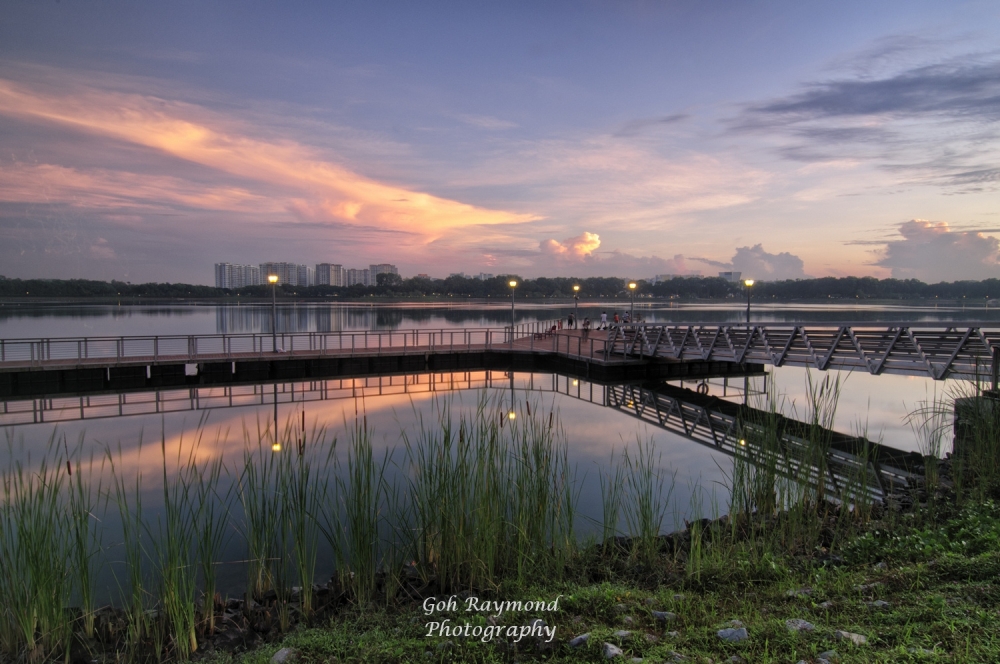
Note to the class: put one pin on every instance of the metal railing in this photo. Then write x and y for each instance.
(937, 350)
(111, 351)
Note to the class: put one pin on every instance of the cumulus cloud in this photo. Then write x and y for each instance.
(756, 263)
(578, 247)
(932, 252)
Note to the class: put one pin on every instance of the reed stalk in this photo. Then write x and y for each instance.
(646, 505)
(174, 544)
(34, 547)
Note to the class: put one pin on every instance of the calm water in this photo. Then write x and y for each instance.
(394, 406)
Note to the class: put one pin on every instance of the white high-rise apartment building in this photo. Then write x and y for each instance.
(354, 277)
(290, 274)
(230, 275)
(381, 268)
(329, 274)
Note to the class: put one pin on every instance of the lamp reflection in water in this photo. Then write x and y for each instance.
(275, 441)
(511, 414)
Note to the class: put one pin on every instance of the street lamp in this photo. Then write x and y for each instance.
(273, 280)
(576, 305)
(748, 283)
(513, 284)
(631, 311)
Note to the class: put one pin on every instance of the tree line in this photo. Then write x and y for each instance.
(543, 287)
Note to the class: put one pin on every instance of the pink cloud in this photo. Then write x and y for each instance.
(575, 248)
(327, 191)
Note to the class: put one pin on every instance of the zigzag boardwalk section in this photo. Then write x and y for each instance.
(936, 350)
(851, 465)
(96, 365)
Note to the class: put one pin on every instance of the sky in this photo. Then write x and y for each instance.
(148, 141)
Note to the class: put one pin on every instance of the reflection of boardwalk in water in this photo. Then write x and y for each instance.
(707, 420)
(735, 430)
(151, 402)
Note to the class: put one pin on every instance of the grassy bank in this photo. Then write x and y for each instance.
(484, 506)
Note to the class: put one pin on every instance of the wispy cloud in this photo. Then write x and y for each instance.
(931, 123)
(315, 187)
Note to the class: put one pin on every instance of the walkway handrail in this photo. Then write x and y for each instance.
(114, 350)
(938, 350)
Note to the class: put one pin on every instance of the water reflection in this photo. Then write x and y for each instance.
(20, 321)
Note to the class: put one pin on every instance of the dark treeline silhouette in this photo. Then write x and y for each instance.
(543, 287)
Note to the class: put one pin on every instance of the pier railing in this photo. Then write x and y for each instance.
(937, 350)
(111, 351)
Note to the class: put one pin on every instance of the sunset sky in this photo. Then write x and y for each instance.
(146, 141)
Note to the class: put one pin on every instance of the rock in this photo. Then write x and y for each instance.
(284, 655)
(649, 601)
(678, 597)
(827, 657)
(671, 635)
(445, 646)
(636, 659)
(733, 634)
(879, 604)
(826, 606)
(676, 656)
(579, 641)
(881, 566)
(620, 608)
(651, 638)
(856, 639)
(923, 652)
(799, 625)
(611, 651)
(664, 616)
(628, 620)
(736, 623)
(800, 592)
(736, 659)
(622, 634)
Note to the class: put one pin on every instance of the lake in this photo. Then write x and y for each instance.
(394, 407)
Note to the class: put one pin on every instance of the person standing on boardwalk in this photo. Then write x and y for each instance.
(604, 320)
(616, 318)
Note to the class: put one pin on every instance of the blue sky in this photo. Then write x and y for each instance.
(145, 141)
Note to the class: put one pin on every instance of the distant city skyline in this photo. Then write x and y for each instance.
(142, 142)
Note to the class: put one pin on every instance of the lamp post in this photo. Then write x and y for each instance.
(631, 311)
(273, 280)
(576, 305)
(748, 283)
(513, 284)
